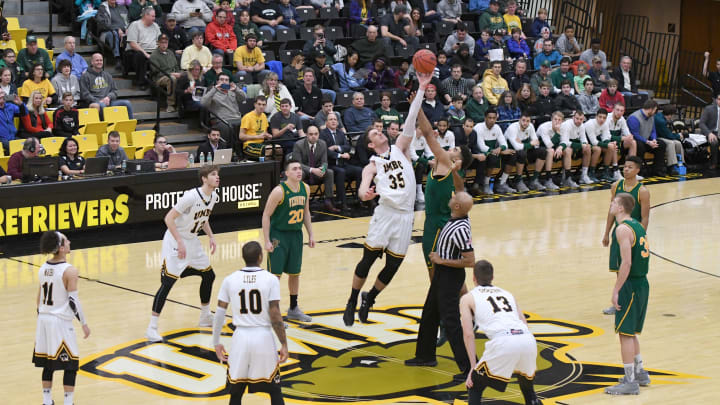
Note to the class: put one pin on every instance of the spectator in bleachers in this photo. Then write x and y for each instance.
(442, 69)
(381, 8)
(369, 48)
(326, 111)
(594, 52)
(308, 96)
(468, 63)
(244, 26)
(360, 12)
(35, 122)
(483, 45)
(561, 74)
(179, 39)
(224, 100)
(66, 121)
(229, 7)
(641, 124)
(567, 44)
(672, 141)
(142, 36)
(395, 31)
(599, 74)
(347, 72)
(492, 19)
(625, 76)
(113, 151)
(579, 79)
(191, 80)
(525, 97)
(587, 100)
(38, 81)
(324, 76)
(28, 57)
(319, 43)
(493, 84)
(254, 132)
(517, 47)
(112, 26)
(433, 108)
(31, 149)
(65, 82)
(548, 54)
(710, 127)
(311, 152)
(539, 23)
(338, 4)
(4, 34)
(386, 112)
(8, 111)
(9, 61)
(210, 77)
(455, 112)
(611, 96)
(416, 24)
(403, 77)
(197, 51)
(275, 93)
(713, 77)
(97, 87)
(518, 77)
(478, 6)
(566, 101)
(450, 10)
(428, 10)
(70, 161)
(538, 46)
(78, 64)
(188, 16)
(458, 37)
(160, 153)
(220, 35)
(339, 158)
(544, 104)
(511, 19)
(136, 8)
(498, 42)
(475, 108)
(358, 117)
(267, 16)
(380, 76)
(249, 61)
(293, 72)
(7, 85)
(456, 85)
(290, 15)
(507, 109)
(164, 70)
(543, 74)
(287, 125)
(213, 143)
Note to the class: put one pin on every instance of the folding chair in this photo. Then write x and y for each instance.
(119, 120)
(16, 145)
(86, 144)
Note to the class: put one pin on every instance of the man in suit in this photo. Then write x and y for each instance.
(710, 127)
(213, 143)
(626, 77)
(312, 153)
(339, 157)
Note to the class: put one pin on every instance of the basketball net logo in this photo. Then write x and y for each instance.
(331, 363)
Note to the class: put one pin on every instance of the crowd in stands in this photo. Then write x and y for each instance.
(516, 92)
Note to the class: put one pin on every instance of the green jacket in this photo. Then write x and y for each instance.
(163, 62)
(662, 130)
(491, 22)
(210, 77)
(475, 110)
(242, 30)
(557, 78)
(26, 61)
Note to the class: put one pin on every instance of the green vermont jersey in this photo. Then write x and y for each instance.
(438, 192)
(289, 214)
(640, 250)
(636, 213)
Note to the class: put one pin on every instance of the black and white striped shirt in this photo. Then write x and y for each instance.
(455, 238)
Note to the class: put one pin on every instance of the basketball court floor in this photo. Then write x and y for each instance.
(547, 251)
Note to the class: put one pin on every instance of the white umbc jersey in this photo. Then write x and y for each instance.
(195, 209)
(53, 295)
(395, 180)
(249, 292)
(496, 312)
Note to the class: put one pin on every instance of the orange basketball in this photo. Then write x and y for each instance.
(424, 61)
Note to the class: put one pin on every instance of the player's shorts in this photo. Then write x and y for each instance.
(254, 150)
(55, 344)
(431, 232)
(195, 256)
(614, 253)
(287, 255)
(633, 300)
(253, 357)
(617, 139)
(505, 355)
(531, 155)
(391, 230)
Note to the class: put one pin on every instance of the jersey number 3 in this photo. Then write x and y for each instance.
(506, 305)
(397, 181)
(254, 301)
(645, 253)
(296, 216)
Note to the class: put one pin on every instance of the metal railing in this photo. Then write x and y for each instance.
(578, 16)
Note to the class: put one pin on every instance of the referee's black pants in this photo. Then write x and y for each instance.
(443, 304)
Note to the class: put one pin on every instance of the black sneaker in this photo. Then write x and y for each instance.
(416, 362)
(349, 314)
(365, 306)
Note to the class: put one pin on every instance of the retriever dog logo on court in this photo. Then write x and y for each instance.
(330, 363)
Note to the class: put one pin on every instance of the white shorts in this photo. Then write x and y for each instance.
(55, 343)
(253, 356)
(507, 354)
(391, 230)
(195, 256)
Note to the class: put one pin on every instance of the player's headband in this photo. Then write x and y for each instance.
(60, 240)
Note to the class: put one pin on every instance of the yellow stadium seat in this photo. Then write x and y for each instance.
(119, 119)
(143, 138)
(90, 123)
(89, 153)
(18, 35)
(86, 115)
(13, 23)
(52, 145)
(4, 162)
(16, 145)
(8, 44)
(140, 153)
(2, 152)
(129, 150)
(86, 143)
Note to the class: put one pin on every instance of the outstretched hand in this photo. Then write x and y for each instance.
(424, 79)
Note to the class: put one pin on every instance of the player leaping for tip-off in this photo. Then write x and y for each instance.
(392, 222)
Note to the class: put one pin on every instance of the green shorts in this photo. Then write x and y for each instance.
(633, 300)
(617, 139)
(614, 253)
(576, 149)
(430, 235)
(253, 150)
(604, 144)
(287, 255)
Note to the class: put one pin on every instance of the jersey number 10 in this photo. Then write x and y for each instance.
(253, 298)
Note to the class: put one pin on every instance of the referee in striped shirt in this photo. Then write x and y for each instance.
(453, 253)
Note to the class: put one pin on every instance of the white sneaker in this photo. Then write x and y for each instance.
(550, 185)
(298, 315)
(152, 335)
(617, 175)
(585, 179)
(206, 321)
(420, 197)
(521, 187)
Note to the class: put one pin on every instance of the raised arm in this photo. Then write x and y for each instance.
(403, 142)
(441, 155)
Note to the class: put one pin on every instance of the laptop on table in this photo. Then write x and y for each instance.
(178, 160)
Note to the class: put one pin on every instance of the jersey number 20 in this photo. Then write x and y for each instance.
(296, 216)
(253, 298)
(397, 181)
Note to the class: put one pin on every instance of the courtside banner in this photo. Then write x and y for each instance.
(112, 201)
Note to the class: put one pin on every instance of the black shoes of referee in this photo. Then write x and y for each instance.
(349, 314)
